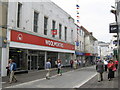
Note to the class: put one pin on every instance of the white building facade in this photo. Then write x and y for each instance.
(37, 32)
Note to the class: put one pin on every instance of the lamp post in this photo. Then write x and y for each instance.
(116, 20)
(118, 35)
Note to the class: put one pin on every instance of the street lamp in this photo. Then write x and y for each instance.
(115, 13)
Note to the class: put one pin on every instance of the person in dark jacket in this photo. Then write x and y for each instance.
(59, 69)
(100, 70)
(71, 63)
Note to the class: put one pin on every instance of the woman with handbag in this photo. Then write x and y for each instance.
(111, 68)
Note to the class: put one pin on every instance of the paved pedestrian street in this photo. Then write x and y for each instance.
(69, 79)
(80, 78)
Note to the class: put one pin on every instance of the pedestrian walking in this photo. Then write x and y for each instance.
(100, 70)
(105, 64)
(111, 68)
(71, 63)
(12, 69)
(48, 67)
(59, 71)
(75, 64)
(80, 62)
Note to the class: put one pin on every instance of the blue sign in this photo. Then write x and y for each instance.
(79, 53)
(77, 43)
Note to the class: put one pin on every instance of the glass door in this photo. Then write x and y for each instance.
(33, 62)
(41, 62)
(29, 62)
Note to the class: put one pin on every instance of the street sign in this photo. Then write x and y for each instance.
(113, 28)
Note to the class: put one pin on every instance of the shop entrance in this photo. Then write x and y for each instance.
(41, 62)
(33, 62)
(53, 56)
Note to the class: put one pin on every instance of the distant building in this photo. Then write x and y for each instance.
(90, 46)
(79, 43)
(103, 50)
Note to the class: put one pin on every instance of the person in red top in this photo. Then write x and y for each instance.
(116, 64)
(111, 67)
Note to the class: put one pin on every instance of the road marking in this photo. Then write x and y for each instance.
(79, 85)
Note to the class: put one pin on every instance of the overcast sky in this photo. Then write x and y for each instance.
(94, 15)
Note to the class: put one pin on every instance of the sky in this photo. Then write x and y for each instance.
(94, 15)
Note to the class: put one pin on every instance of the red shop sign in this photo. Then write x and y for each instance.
(88, 54)
(21, 37)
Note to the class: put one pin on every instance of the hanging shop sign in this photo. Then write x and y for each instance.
(54, 31)
(113, 28)
(88, 54)
(21, 37)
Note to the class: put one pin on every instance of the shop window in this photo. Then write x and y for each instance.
(45, 25)
(35, 21)
(19, 14)
(65, 33)
(71, 35)
(65, 57)
(60, 30)
(53, 26)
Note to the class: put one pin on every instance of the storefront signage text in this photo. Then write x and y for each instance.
(52, 43)
(26, 38)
